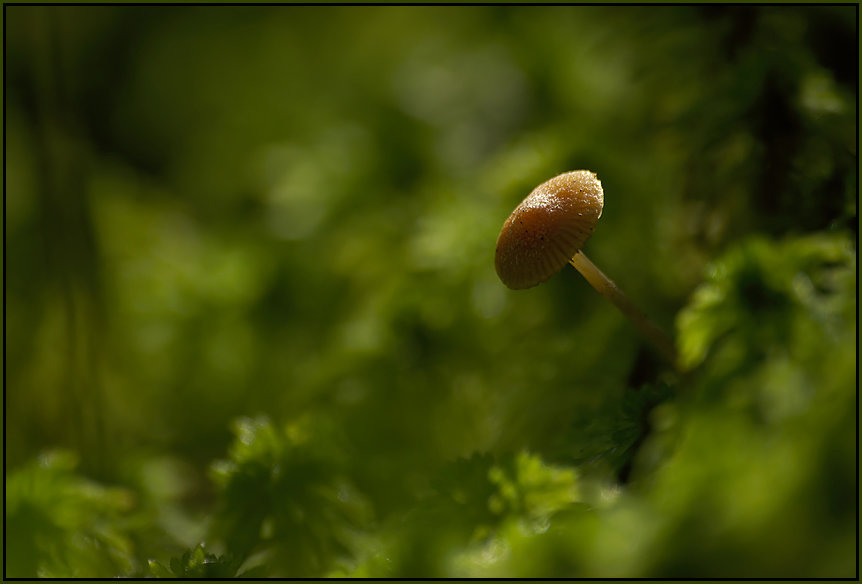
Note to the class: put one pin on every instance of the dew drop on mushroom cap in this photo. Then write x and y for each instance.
(548, 228)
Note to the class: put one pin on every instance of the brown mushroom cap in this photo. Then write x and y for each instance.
(548, 228)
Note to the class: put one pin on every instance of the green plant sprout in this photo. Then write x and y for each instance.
(547, 231)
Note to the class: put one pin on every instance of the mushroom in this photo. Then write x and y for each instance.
(547, 231)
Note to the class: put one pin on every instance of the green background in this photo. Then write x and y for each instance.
(253, 324)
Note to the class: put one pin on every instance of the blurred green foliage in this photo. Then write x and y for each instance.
(253, 325)
(63, 525)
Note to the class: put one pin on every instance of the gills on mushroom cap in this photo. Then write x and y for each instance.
(548, 228)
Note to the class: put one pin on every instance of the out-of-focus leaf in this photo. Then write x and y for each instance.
(282, 494)
(762, 294)
(64, 524)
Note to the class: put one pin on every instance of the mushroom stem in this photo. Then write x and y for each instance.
(609, 290)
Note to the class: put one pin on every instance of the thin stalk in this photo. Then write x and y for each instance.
(605, 286)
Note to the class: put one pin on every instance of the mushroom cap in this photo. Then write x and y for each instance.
(548, 228)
